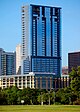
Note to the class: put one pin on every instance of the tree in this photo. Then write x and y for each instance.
(75, 81)
(64, 96)
(3, 100)
(11, 95)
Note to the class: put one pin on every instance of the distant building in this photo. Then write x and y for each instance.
(29, 80)
(18, 59)
(65, 70)
(7, 62)
(73, 60)
(41, 39)
(1, 51)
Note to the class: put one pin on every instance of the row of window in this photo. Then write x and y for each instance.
(45, 65)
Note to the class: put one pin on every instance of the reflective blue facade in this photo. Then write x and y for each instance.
(45, 64)
(44, 39)
(10, 63)
(7, 62)
(26, 68)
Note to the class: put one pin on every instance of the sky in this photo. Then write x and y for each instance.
(10, 24)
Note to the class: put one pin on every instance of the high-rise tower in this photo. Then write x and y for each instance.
(18, 59)
(41, 39)
(7, 63)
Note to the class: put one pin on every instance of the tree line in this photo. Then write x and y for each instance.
(27, 96)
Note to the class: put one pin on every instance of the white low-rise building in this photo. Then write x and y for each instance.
(21, 81)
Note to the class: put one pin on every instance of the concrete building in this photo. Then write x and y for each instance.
(18, 59)
(21, 81)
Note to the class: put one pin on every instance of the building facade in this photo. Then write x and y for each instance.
(41, 40)
(73, 60)
(21, 81)
(29, 80)
(7, 62)
(18, 59)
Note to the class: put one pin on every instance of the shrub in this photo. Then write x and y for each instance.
(77, 102)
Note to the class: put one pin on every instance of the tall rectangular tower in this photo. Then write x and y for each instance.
(18, 59)
(41, 39)
(7, 62)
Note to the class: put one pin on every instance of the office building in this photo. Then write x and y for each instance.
(7, 62)
(41, 39)
(18, 59)
(73, 60)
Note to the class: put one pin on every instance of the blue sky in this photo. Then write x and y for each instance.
(10, 24)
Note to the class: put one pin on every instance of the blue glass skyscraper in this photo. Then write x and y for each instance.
(41, 39)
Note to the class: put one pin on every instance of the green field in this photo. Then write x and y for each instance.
(45, 108)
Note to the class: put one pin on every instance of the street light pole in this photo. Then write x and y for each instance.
(41, 99)
(49, 97)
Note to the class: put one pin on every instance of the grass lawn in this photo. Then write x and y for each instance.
(38, 108)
